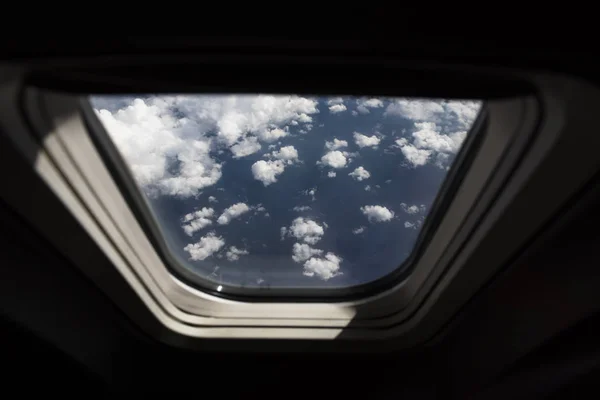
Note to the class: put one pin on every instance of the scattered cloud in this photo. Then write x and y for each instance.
(360, 174)
(377, 213)
(168, 141)
(412, 209)
(366, 141)
(337, 108)
(359, 230)
(212, 199)
(335, 100)
(302, 208)
(331, 174)
(233, 253)
(334, 159)
(324, 268)
(206, 247)
(288, 154)
(363, 105)
(368, 188)
(305, 230)
(197, 220)
(267, 171)
(245, 147)
(336, 144)
(302, 252)
(232, 212)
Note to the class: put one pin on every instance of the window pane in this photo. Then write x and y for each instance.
(288, 191)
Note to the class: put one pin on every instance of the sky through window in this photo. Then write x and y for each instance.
(288, 191)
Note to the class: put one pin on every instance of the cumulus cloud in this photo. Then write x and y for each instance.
(302, 252)
(206, 247)
(430, 145)
(359, 230)
(272, 135)
(363, 105)
(440, 128)
(366, 141)
(422, 110)
(368, 188)
(334, 159)
(232, 212)
(212, 199)
(233, 253)
(197, 220)
(412, 209)
(267, 171)
(415, 156)
(288, 154)
(305, 230)
(336, 144)
(377, 213)
(460, 114)
(301, 208)
(324, 268)
(331, 174)
(337, 108)
(360, 174)
(245, 147)
(168, 141)
(335, 100)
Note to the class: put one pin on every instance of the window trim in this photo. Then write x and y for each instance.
(431, 307)
(138, 203)
(380, 307)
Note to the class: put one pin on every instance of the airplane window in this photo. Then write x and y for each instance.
(263, 191)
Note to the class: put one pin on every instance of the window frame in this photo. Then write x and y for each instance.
(49, 132)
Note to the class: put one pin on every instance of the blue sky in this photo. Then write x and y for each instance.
(288, 191)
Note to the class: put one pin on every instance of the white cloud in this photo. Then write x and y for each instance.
(360, 174)
(232, 212)
(336, 144)
(416, 157)
(272, 135)
(151, 139)
(410, 225)
(440, 128)
(335, 100)
(245, 147)
(302, 252)
(337, 108)
(421, 110)
(233, 254)
(363, 105)
(331, 174)
(305, 229)
(334, 159)
(197, 220)
(368, 188)
(324, 268)
(377, 213)
(366, 141)
(168, 140)
(288, 154)
(413, 209)
(359, 230)
(267, 171)
(428, 137)
(207, 246)
(212, 199)
(302, 208)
